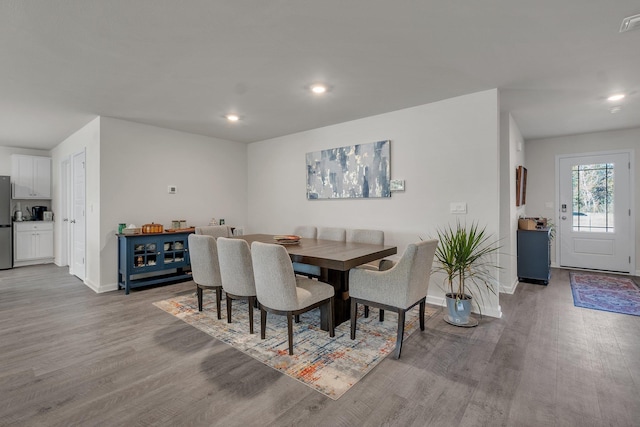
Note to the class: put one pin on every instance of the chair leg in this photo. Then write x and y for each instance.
(400, 333)
(297, 318)
(422, 307)
(218, 300)
(381, 315)
(263, 322)
(290, 332)
(199, 293)
(228, 308)
(332, 331)
(366, 311)
(354, 315)
(250, 304)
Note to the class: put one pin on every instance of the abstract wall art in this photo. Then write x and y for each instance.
(355, 171)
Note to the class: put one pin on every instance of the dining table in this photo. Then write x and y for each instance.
(335, 258)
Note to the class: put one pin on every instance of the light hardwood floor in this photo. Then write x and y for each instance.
(71, 357)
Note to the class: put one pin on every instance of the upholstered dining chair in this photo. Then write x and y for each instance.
(214, 231)
(332, 233)
(280, 292)
(236, 272)
(398, 289)
(310, 271)
(372, 237)
(205, 268)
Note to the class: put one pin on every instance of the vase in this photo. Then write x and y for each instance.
(459, 309)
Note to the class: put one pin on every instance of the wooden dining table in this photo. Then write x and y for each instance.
(335, 258)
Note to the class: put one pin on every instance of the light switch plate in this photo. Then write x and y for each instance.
(172, 189)
(458, 207)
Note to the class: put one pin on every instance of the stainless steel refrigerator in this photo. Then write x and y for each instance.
(6, 231)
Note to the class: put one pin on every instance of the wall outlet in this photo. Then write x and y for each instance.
(172, 189)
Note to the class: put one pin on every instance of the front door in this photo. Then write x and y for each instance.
(595, 222)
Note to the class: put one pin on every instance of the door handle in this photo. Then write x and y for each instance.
(564, 217)
(73, 221)
(65, 219)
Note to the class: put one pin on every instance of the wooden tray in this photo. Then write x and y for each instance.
(180, 230)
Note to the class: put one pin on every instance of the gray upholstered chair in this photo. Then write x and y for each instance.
(281, 292)
(236, 272)
(214, 230)
(398, 289)
(310, 271)
(205, 267)
(309, 232)
(372, 237)
(332, 233)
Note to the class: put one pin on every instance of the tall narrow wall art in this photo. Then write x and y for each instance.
(355, 171)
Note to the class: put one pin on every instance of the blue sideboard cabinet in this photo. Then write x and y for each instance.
(149, 259)
(534, 256)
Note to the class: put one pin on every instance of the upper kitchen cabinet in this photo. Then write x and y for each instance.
(31, 177)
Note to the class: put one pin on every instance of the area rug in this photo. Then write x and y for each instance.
(328, 365)
(617, 294)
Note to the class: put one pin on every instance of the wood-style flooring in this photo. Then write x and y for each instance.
(70, 357)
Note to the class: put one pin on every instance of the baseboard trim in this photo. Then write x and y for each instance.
(509, 289)
(99, 289)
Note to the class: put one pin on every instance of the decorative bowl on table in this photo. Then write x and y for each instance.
(287, 239)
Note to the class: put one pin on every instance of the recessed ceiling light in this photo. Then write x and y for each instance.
(616, 97)
(630, 23)
(318, 89)
(232, 117)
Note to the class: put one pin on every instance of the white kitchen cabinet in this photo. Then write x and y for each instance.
(33, 243)
(31, 177)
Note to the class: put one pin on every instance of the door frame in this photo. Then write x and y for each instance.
(63, 214)
(632, 204)
(73, 221)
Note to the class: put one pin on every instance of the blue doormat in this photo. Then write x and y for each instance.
(617, 294)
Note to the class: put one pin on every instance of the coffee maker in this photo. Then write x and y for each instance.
(37, 212)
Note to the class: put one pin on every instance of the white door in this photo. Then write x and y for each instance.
(595, 222)
(63, 214)
(77, 220)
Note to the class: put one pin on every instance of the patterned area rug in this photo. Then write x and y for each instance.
(618, 294)
(328, 365)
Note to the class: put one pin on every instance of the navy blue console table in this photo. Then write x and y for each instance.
(152, 258)
(534, 256)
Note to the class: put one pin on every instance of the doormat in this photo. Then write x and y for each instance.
(328, 365)
(617, 294)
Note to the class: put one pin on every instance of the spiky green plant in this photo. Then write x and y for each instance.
(464, 256)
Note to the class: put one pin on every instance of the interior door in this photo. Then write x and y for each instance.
(77, 221)
(595, 222)
(63, 214)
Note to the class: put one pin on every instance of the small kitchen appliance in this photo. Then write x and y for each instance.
(37, 212)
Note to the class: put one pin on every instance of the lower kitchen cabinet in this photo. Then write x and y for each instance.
(33, 243)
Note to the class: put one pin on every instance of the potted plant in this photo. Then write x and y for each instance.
(464, 255)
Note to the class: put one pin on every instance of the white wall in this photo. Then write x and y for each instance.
(446, 151)
(541, 156)
(85, 139)
(138, 162)
(511, 156)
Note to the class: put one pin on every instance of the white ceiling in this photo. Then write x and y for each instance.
(184, 64)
